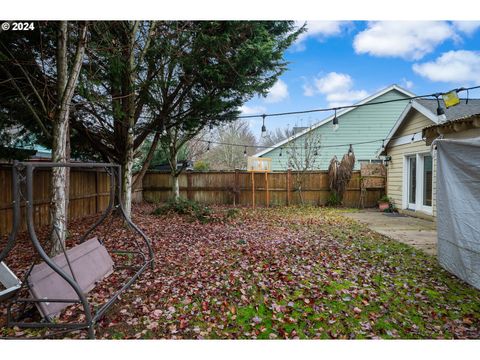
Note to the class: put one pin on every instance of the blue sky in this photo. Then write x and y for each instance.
(339, 63)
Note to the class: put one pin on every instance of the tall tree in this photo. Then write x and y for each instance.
(66, 83)
(42, 74)
(215, 67)
(114, 88)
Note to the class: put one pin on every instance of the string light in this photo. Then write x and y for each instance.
(245, 151)
(335, 121)
(440, 112)
(264, 129)
(412, 139)
(353, 105)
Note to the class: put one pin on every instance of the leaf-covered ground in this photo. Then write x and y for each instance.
(276, 274)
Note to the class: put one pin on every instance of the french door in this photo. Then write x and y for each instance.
(419, 182)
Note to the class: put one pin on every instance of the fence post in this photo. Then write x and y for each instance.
(236, 192)
(97, 200)
(289, 180)
(189, 186)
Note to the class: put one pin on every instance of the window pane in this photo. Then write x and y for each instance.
(412, 163)
(427, 180)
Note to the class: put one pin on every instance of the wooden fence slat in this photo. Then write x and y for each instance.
(89, 190)
(235, 187)
(89, 194)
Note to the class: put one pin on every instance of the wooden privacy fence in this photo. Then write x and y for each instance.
(89, 190)
(235, 187)
(89, 194)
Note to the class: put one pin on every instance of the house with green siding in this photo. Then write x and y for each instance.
(366, 124)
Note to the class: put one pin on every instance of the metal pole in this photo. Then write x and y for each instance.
(129, 221)
(46, 258)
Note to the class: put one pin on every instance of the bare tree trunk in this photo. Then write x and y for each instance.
(175, 187)
(137, 183)
(127, 166)
(59, 147)
(65, 87)
(127, 179)
(173, 167)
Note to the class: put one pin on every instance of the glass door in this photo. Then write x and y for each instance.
(427, 188)
(412, 181)
(419, 182)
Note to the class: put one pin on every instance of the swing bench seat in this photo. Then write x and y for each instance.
(90, 263)
(9, 282)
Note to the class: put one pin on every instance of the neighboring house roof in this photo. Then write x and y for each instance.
(339, 114)
(430, 133)
(428, 107)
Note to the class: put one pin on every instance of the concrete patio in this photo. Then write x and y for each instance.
(419, 233)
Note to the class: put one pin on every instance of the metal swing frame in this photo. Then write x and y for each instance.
(22, 173)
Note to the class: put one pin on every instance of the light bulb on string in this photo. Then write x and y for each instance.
(335, 121)
(264, 128)
(440, 112)
(412, 139)
(281, 149)
(245, 151)
(208, 146)
(383, 145)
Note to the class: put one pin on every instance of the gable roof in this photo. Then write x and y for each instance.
(339, 114)
(428, 107)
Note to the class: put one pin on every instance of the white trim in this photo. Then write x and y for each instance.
(418, 206)
(415, 105)
(407, 139)
(339, 113)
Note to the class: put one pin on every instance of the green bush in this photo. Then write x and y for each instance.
(201, 165)
(195, 211)
(384, 198)
(334, 200)
(187, 207)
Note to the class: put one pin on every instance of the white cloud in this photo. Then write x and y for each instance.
(319, 30)
(459, 67)
(407, 84)
(277, 93)
(252, 110)
(467, 27)
(410, 40)
(308, 90)
(337, 88)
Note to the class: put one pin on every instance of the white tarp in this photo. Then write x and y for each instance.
(458, 207)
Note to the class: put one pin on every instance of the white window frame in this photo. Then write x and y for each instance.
(419, 188)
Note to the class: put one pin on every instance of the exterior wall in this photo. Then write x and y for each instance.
(414, 123)
(362, 124)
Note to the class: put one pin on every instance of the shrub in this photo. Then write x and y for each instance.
(201, 165)
(334, 199)
(384, 198)
(187, 207)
